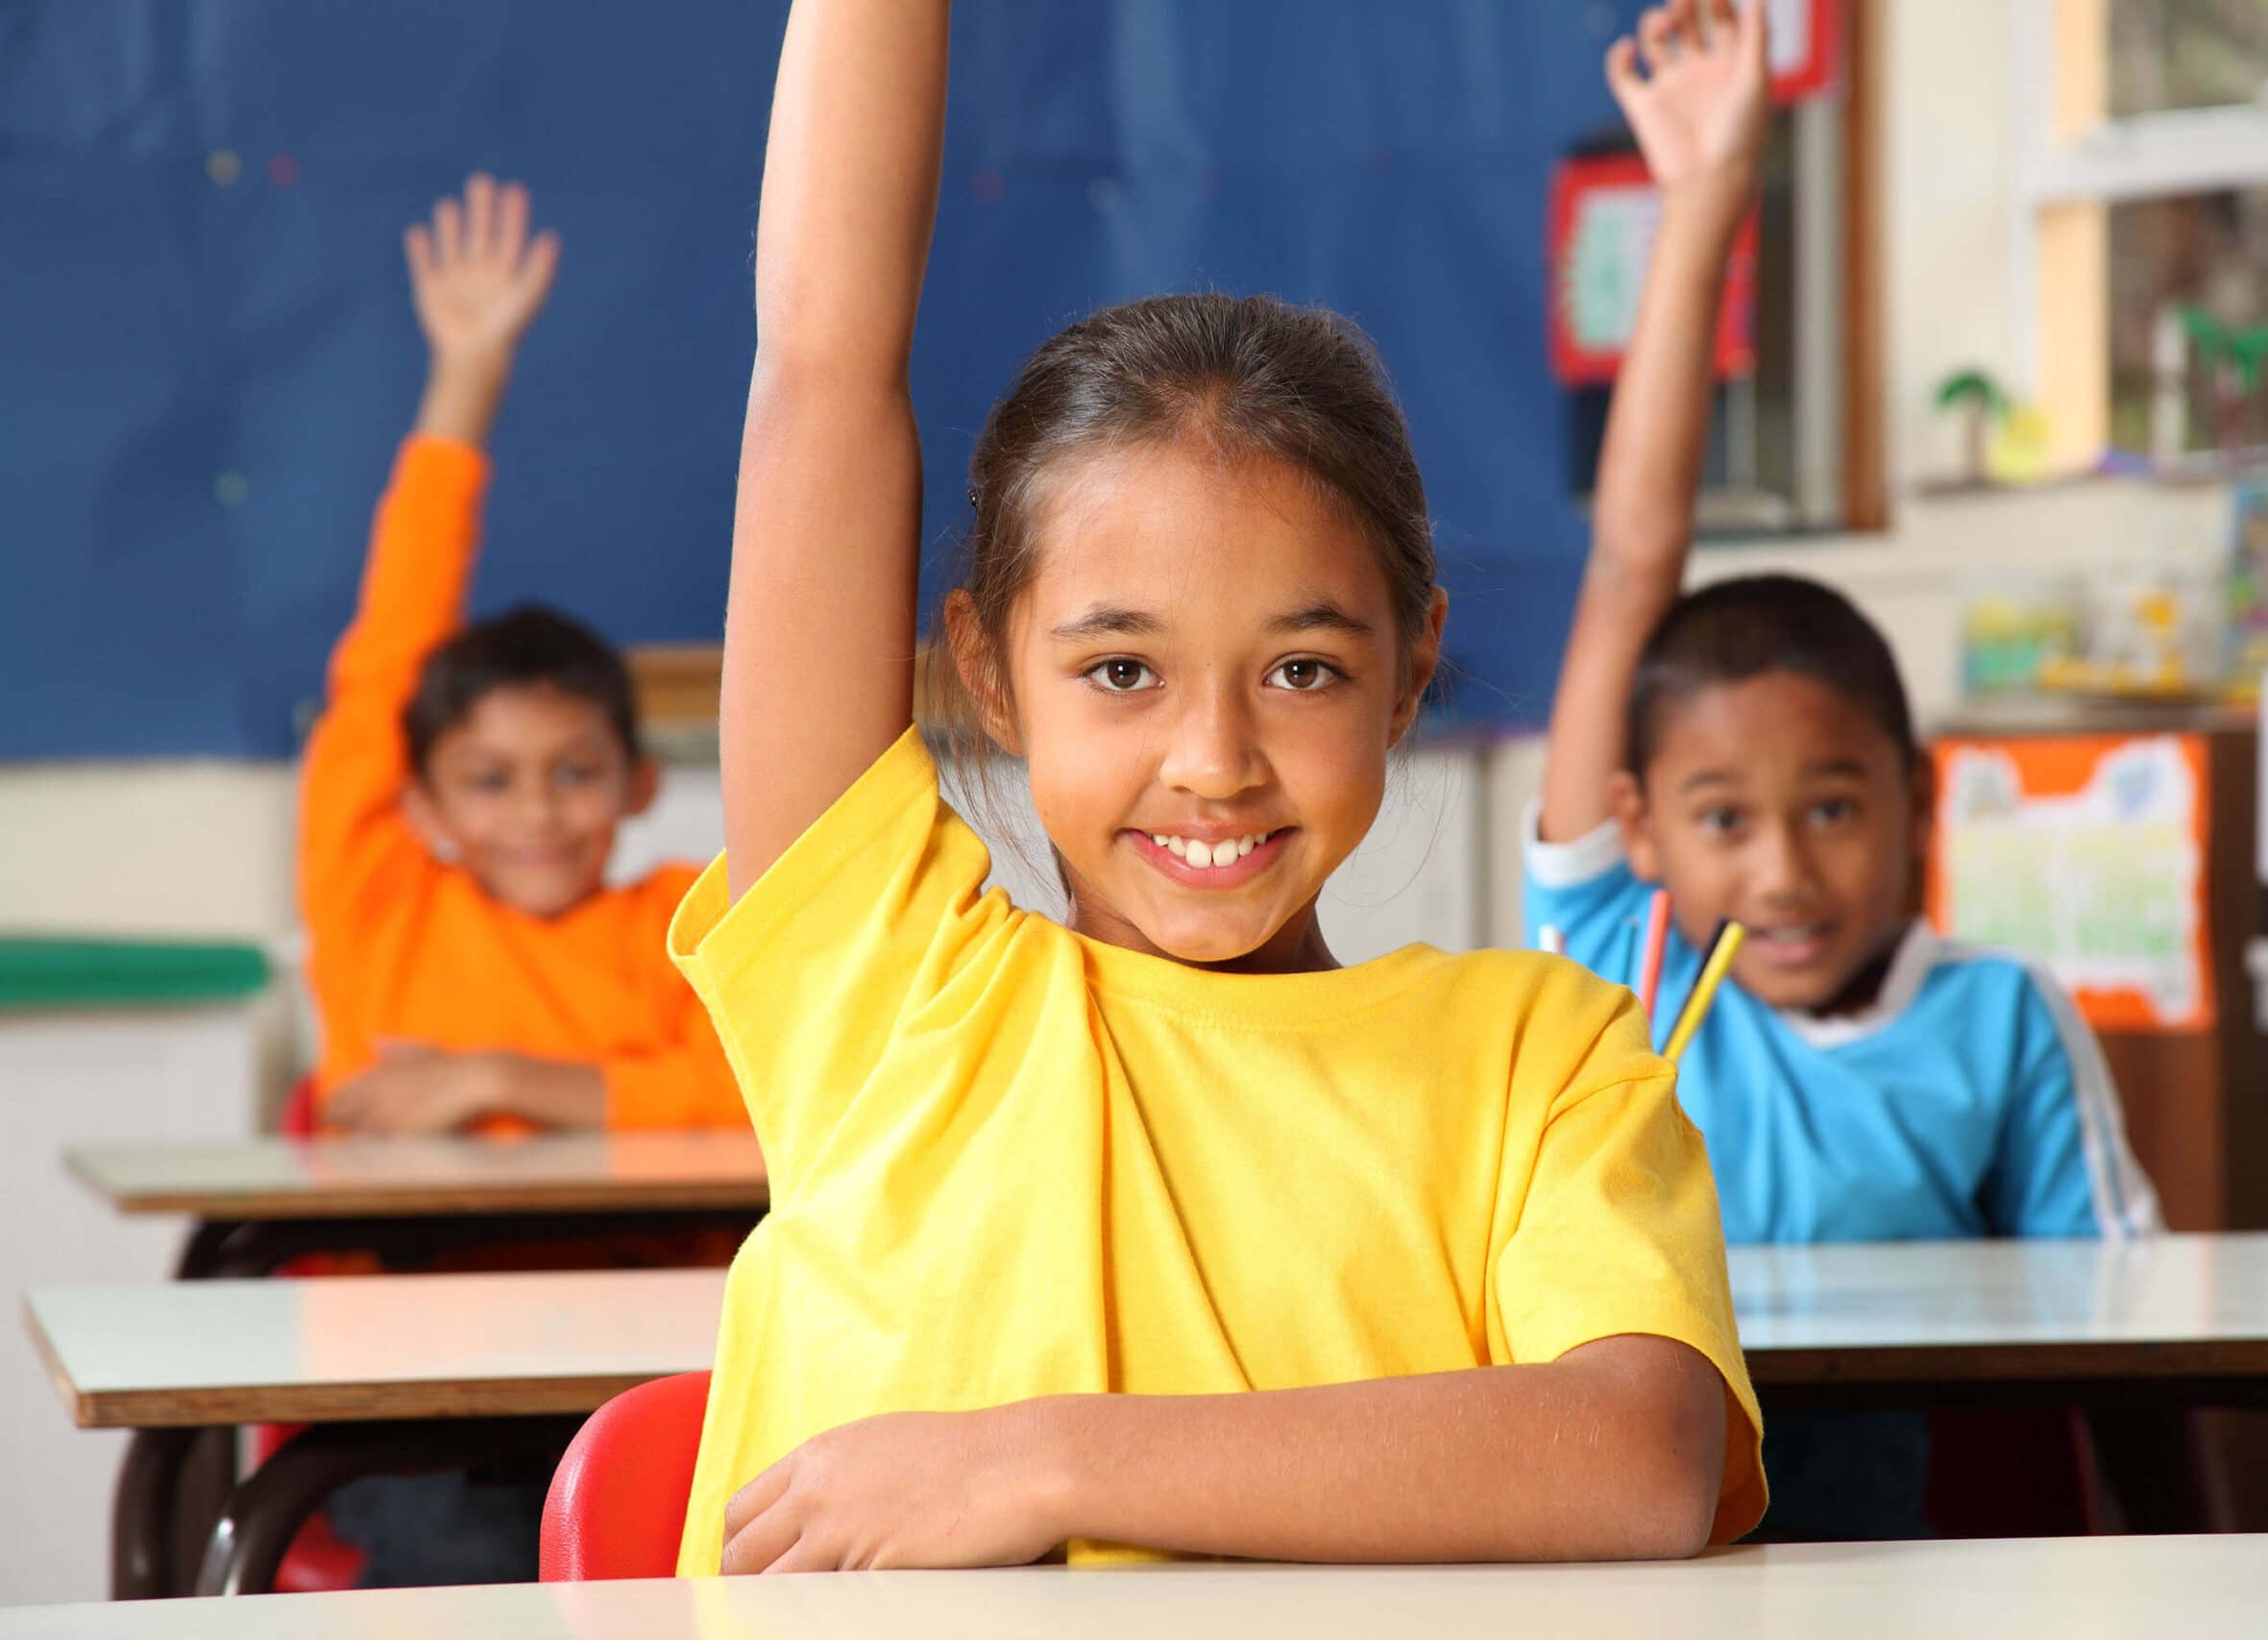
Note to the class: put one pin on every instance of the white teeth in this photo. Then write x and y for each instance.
(1210, 856)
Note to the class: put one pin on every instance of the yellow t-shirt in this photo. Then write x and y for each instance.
(1008, 1160)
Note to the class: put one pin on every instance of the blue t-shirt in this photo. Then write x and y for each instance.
(1970, 1099)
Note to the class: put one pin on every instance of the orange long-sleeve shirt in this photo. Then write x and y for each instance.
(402, 946)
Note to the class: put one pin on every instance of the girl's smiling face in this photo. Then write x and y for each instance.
(1205, 675)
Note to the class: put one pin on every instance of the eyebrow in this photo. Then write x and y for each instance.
(1844, 766)
(1322, 615)
(1109, 621)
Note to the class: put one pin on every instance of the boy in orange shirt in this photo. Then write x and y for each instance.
(471, 966)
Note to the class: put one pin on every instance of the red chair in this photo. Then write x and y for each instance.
(617, 1504)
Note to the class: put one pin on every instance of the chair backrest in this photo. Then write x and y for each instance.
(617, 1504)
(297, 1118)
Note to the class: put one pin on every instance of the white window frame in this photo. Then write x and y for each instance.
(2102, 162)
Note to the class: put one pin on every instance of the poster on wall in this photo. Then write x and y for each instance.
(1604, 215)
(2085, 853)
(1806, 47)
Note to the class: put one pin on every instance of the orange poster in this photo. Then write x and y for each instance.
(2087, 854)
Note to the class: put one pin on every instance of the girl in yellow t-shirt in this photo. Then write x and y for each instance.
(1155, 1228)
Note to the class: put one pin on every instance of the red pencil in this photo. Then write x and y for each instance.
(1657, 936)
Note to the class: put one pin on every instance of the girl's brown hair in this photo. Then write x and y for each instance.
(1249, 377)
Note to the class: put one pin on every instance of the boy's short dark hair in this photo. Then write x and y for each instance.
(1738, 629)
(529, 646)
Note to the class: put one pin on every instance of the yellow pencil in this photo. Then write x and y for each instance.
(1721, 952)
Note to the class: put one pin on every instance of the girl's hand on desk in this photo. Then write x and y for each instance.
(903, 1489)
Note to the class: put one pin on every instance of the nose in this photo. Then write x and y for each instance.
(541, 803)
(1214, 752)
(1782, 869)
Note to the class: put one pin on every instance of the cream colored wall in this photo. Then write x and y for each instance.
(204, 847)
(1949, 199)
(160, 848)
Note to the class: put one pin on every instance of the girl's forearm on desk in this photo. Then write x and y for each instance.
(1614, 1451)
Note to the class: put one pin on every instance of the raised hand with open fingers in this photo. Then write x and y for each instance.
(1702, 105)
(476, 275)
(477, 279)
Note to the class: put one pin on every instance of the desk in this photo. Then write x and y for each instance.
(396, 1374)
(2171, 1318)
(262, 1202)
(1861, 1319)
(380, 1362)
(2201, 1588)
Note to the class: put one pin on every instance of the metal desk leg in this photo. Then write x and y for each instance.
(206, 1477)
(220, 1248)
(268, 1507)
(143, 1515)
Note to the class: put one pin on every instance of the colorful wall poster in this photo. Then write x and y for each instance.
(2085, 853)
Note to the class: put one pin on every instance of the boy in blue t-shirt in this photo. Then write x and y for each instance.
(1749, 747)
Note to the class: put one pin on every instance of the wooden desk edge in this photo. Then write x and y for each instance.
(318, 1202)
(378, 1401)
(1985, 1363)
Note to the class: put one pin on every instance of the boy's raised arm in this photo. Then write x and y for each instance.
(477, 279)
(819, 643)
(1700, 112)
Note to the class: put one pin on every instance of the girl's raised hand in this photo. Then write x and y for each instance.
(475, 275)
(1703, 103)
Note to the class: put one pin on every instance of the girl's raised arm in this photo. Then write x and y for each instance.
(818, 641)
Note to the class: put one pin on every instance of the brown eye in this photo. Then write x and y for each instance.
(1120, 676)
(1303, 676)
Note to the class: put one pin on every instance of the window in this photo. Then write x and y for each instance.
(2145, 125)
(2183, 265)
(2186, 54)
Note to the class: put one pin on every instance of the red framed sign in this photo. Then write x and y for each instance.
(1604, 215)
(1806, 47)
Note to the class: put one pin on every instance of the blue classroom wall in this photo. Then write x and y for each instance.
(203, 381)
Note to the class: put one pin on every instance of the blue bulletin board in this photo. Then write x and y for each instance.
(207, 353)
